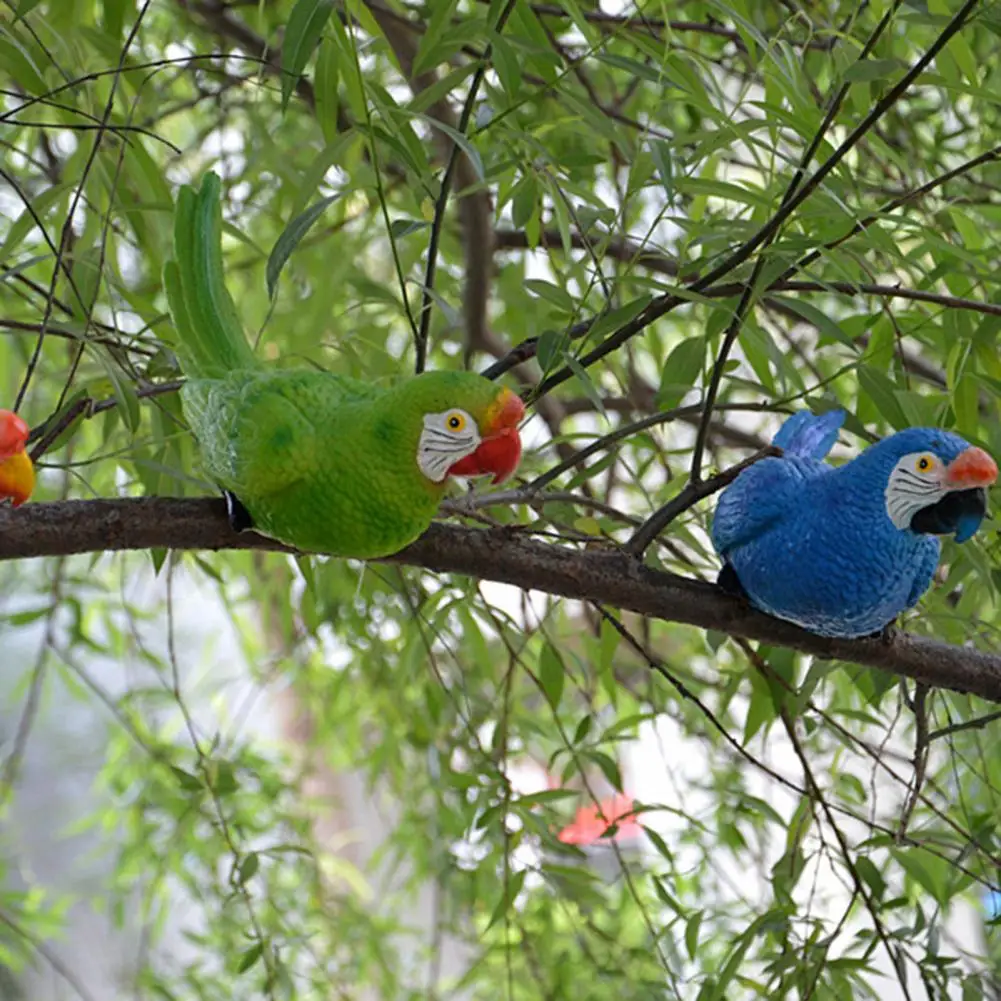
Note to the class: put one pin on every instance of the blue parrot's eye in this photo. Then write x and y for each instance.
(923, 463)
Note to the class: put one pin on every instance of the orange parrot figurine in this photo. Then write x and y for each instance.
(17, 474)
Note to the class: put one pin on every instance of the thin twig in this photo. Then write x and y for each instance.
(691, 494)
(664, 304)
(421, 345)
(971, 724)
(67, 231)
(751, 287)
(919, 706)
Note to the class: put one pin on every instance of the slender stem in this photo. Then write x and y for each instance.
(665, 303)
(693, 492)
(421, 340)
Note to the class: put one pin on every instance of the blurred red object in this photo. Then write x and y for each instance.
(13, 434)
(592, 822)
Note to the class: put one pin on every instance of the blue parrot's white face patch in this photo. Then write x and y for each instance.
(917, 481)
(447, 437)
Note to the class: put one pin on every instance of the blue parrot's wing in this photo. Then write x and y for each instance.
(809, 436)
(760, 496)
(930, 552)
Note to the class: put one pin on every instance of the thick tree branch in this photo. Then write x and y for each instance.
(608, 576)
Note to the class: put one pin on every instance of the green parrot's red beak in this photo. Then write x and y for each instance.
(13, 434)
(972, 468)
(500, 450)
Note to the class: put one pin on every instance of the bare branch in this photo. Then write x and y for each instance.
(610, 577)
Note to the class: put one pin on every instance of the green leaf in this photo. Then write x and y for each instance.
(441, 89)
(760, 709)
(973, 988)
(40, 204)
(660, 149)
(609, 642)
(551, 293)
(869, 872)
(786, 873)
(736, 957)
(249, 957)
(303, 31)
(224, 780)
(249, 866)
(550, 349)
(289, 240)
(608, 767)
(19, 64)
(430, 50)
(634, 67)
(692, 933)
(590, 390)
(881, 391)
(614, 319)
(158, 556)
(125, 394)
(29, 615)
(516, 881)
(583, 729)
(462, 141)
(871, 69)
(400, 228)
(665, 896)
(929, 871)
(506, 64)
(16, 269)
(659, 843)
(821, 320)
(524, 200)
(681, 372)
(189, 782)
(114, 12)
(552, 674)
(326, 80)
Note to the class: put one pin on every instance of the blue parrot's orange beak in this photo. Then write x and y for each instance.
(500, 450)
(17, 478)
(972, 468)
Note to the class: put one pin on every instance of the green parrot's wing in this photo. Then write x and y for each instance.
(260, 432)
(254, 440)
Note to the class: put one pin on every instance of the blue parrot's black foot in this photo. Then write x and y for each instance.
(239, 516)
(886, 635)
(730, 582)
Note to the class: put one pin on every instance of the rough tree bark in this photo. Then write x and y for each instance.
(610, 577)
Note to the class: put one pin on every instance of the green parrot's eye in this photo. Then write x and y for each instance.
(455, 422)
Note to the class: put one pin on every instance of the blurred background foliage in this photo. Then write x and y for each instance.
(312, 779)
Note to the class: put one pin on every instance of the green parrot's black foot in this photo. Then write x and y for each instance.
(239, 516)
(730, 582)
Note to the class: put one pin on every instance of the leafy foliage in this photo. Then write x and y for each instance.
(754, 206)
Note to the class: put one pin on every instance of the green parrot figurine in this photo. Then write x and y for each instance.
(321, 462)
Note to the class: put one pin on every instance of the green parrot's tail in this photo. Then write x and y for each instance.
(210, 337)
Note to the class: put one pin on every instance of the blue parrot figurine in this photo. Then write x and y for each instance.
(842, 551)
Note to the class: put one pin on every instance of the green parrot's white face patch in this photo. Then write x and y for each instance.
(447, 437)
(917, 481)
